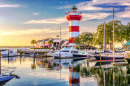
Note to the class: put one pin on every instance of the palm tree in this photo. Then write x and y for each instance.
(57, 36)
(50, 42)
(33, 42)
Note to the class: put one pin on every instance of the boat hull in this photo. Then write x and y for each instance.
(128, 60)
(108, 58)
(5, 78)
(74, 58)
(81, 55)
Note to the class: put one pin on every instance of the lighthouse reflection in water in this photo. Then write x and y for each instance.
(66, 72)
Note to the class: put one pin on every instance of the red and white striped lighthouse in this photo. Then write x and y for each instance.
(74, 17)
(74, 77)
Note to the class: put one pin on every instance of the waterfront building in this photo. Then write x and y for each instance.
(39, 43)
(127, 46)
(57, 42)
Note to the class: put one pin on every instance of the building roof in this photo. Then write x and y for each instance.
(47, 39)
(65, 43)
(128, 43)
(39, 40)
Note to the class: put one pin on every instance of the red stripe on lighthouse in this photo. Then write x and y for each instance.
(71, 40)
(73, 28)
(73, 81)
(74, 17)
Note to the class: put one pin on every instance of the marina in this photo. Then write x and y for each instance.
(48, 71)
(65, 43)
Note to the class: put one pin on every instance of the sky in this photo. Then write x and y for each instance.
(24, 20)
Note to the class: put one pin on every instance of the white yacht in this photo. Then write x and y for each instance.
(65, 53)
(11, 53)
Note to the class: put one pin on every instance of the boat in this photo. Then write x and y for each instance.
(10, 54)
(107, 55)
(83, 54)
(6, 74)
(65, 53)
(128, 60)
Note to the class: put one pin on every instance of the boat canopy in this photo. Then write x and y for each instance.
(128, 43)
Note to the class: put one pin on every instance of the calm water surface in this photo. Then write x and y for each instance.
(48, 72)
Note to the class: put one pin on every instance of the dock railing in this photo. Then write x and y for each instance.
(7, 70)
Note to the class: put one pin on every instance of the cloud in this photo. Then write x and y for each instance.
(53, 20)
(7, 5)
(125, 14)
(91, 5)
(35, 14)
(64, 2)
(90, 16)
(85, 16)
(29, 32)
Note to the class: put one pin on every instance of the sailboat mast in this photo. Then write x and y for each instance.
(113, 39)
(60, 32)
(113, 28)
(104, 38)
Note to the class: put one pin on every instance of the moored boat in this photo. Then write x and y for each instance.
(6, 74)
(9, 53)
(128, 60)
(65, 53)
(108, 57)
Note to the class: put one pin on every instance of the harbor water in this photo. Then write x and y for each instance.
(54, 72)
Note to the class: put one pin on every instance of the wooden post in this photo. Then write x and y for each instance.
(8, 52)
(100, 57)
(20, 52)
(113, 76)
(34, 52)
(114, 58)
(87, 53)
(46, 53)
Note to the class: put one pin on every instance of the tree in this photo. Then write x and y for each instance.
(121, 33)
(78, 42)
(86, 37)
(33, 42)
(50, 42)
(127, 32)
(57, 36)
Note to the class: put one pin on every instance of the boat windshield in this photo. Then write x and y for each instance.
(74, 51)
(65, 51)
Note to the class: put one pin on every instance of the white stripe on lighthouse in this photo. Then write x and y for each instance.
(74, 34)
(74, 23)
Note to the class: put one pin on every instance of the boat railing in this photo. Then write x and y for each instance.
(7, 71)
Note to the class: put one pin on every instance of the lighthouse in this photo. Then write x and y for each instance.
(74, 18)
(74, 77)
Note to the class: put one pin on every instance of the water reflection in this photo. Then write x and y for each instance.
(128, 74)
(33, 66)
(114, 76)
(69, 72)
